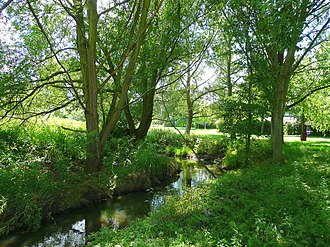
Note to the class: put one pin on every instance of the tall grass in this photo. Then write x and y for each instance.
(41, 171)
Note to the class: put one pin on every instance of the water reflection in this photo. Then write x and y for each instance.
(75, 237)
(71, 228)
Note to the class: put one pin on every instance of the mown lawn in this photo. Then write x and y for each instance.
(261, 205)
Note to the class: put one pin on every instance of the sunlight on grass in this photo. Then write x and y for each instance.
(292, 138)
(65, 122)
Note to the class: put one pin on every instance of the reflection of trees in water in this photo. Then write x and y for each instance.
(157, 201)
(189, 177)
(76, 236)
(116, 213)
(116, 219)
(200, 176)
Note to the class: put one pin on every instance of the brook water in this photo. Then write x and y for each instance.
(71, 228)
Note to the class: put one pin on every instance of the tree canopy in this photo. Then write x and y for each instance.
(119, 63)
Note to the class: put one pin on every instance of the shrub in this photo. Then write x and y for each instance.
(145, 159)
(118, 151)
(164, 139)
(136, 156)
(235, 156)
(213, 146)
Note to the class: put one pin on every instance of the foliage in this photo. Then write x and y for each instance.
(173, 144)
(118, 151)
(235, 155)
(95, 63)
(165, 140)
(269, 205)
(147, 161)
(41, 172)
(126, 155)
(309, 95)
(292, 128)
(212, 145)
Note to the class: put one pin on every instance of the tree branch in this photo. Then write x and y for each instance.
(307, 95)
(111, 8)
(295, 66)
(187, 142)
(54, 52)
(73, 130)
(5, 5)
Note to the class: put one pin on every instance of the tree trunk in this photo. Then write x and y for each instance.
(277, 124)
(302, 123)
(230, 85)
(189, 103)
(147, 109)
(147, 112)
(249, 99)
(189, 119)
(130, 120)
(262, 127)
(284, 71)
(87, 52)
(114, 115)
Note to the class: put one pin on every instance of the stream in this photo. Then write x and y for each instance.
(72, 227)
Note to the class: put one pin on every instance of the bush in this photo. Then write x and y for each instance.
(292, 128)
(145, 159)
(164, 139)
(134, 156)
(118, 151)
(235, 156)
(213, 146)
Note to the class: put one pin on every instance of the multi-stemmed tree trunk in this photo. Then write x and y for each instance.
(147, 112)
(86, 45)
(149, 90)
(87, 54)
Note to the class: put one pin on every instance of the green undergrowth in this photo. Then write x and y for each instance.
(260, 205)
(173, 144)
(42, 172)
(236, 155)
(137, 165)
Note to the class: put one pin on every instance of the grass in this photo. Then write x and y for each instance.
(261, 205)
(309, 138)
